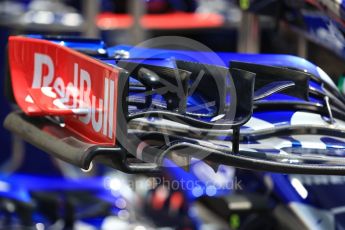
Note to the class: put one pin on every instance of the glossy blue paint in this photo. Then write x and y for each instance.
(289, 61)
(77, 43)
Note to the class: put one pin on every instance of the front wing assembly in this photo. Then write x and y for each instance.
(132, 114)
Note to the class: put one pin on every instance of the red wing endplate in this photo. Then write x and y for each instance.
(50, 79)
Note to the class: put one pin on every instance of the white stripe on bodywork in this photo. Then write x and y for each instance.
(339, 124)
(310, 141)
(306, 118)
(275, 142)
(258, 124)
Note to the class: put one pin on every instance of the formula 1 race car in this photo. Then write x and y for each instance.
(133, 108)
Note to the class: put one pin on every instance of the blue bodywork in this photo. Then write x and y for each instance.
(284, 187)
(206, 182)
